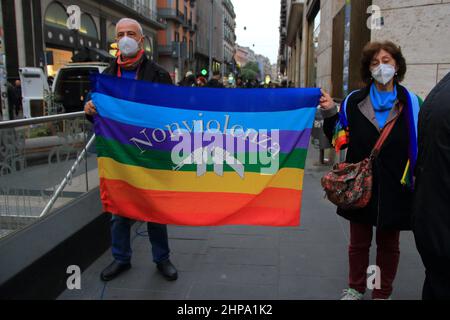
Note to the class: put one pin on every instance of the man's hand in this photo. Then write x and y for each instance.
(89, 108)
(326, 102)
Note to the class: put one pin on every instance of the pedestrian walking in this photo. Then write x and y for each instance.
(431, 219)
(18, 102)
(132, 63)
(364, 114)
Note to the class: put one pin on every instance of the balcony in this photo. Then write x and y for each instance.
(135, 9)
(192, 26)
(165, 50)
(175, 50)
(171, 14)
(186, 25)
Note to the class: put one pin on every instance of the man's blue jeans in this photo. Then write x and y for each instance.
(121, 243)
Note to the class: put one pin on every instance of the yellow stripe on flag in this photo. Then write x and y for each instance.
(178, 181)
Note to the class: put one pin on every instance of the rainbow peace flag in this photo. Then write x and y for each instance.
(202, 157)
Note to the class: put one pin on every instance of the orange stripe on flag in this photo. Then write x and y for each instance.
(273, 207)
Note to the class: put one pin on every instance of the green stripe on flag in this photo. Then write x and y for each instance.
(162, 160)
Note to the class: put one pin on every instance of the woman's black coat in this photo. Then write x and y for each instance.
(391, 204)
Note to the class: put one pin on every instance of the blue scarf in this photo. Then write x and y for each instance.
(383, 102)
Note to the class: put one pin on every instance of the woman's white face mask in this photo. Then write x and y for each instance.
(384, 73)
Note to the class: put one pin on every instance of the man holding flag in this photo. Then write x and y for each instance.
(194, 157)
(132, 63)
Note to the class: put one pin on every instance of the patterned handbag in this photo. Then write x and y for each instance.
(349, 186)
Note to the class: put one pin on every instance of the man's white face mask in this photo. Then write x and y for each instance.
(128, 47)
(384, 73)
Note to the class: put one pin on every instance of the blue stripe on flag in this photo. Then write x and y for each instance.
(148, 116)
(206, 99)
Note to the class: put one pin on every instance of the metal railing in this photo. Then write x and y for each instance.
(45, 163)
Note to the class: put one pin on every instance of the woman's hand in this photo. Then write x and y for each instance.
(89, 108)
(326, 102)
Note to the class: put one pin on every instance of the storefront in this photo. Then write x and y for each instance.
(62, 43)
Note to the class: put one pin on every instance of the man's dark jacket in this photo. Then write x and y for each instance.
(148, 71)
(391, 204)
(431, 224)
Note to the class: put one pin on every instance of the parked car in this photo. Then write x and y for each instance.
(72, 84)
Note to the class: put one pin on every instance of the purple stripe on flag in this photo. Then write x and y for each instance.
(159, 139)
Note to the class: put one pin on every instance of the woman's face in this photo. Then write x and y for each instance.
(382, 57)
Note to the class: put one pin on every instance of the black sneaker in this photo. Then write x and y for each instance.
(113, 270)
(168, 270)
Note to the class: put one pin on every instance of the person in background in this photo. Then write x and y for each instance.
(132, 63)
(215, 81)
(50, 81)
(201, 82)
(18, 103)
(431, 218)
(188, 81)
(357, 127)
(12, 100)
(239, 82)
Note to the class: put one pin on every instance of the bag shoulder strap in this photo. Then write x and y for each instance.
(343, 110)
(384, 135)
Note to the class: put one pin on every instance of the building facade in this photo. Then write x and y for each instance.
(229, 32)
(37, 33)
(176, 43)
(209, 13)
(244, 55)
(265, 67)
(321, 40)
(291, 26)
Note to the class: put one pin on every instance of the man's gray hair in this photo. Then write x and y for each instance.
(129, 20)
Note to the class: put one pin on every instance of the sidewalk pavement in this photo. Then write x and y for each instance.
(253, 263)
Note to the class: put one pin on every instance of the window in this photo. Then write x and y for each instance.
(88, 26)
(111, 33)
(177, 36)
(313, 49)
(337, 66)
(350, 35)
(56, 16)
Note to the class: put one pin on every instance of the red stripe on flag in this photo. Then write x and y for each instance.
(273, 207)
